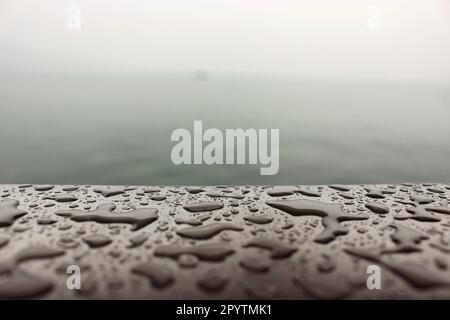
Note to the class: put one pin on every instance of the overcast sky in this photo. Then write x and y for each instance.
(407, 40)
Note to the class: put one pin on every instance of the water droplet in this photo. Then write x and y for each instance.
(194, 190)
(259, 219)
(159, 275)
(421, 199)
(9, 212)
(21, 285)
(278, 249)
(220, 195)
(207, 252)
(255, 264)
(377, 207)
(331, 215)
(187, 260)
(138, 218)
(207, 231)
(97, 240)
(137, 240)
(65, 197)
(203, 206)
(213, 281)
(44, 187)
(3, 241)
(109, 191)
(281, 191)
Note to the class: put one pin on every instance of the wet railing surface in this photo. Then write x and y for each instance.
(225, 242)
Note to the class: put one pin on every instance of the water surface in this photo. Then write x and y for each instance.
(115, 129)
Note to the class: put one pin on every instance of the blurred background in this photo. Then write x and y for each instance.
(91, 90)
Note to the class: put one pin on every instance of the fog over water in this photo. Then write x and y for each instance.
(359, 91)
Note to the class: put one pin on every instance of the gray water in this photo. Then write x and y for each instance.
(115, 129)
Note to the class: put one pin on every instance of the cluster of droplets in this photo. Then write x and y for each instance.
(223, 241)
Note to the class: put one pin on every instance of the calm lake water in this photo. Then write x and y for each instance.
(116, 129)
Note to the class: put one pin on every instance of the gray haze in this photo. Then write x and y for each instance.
(360, 90)
(320, 39)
